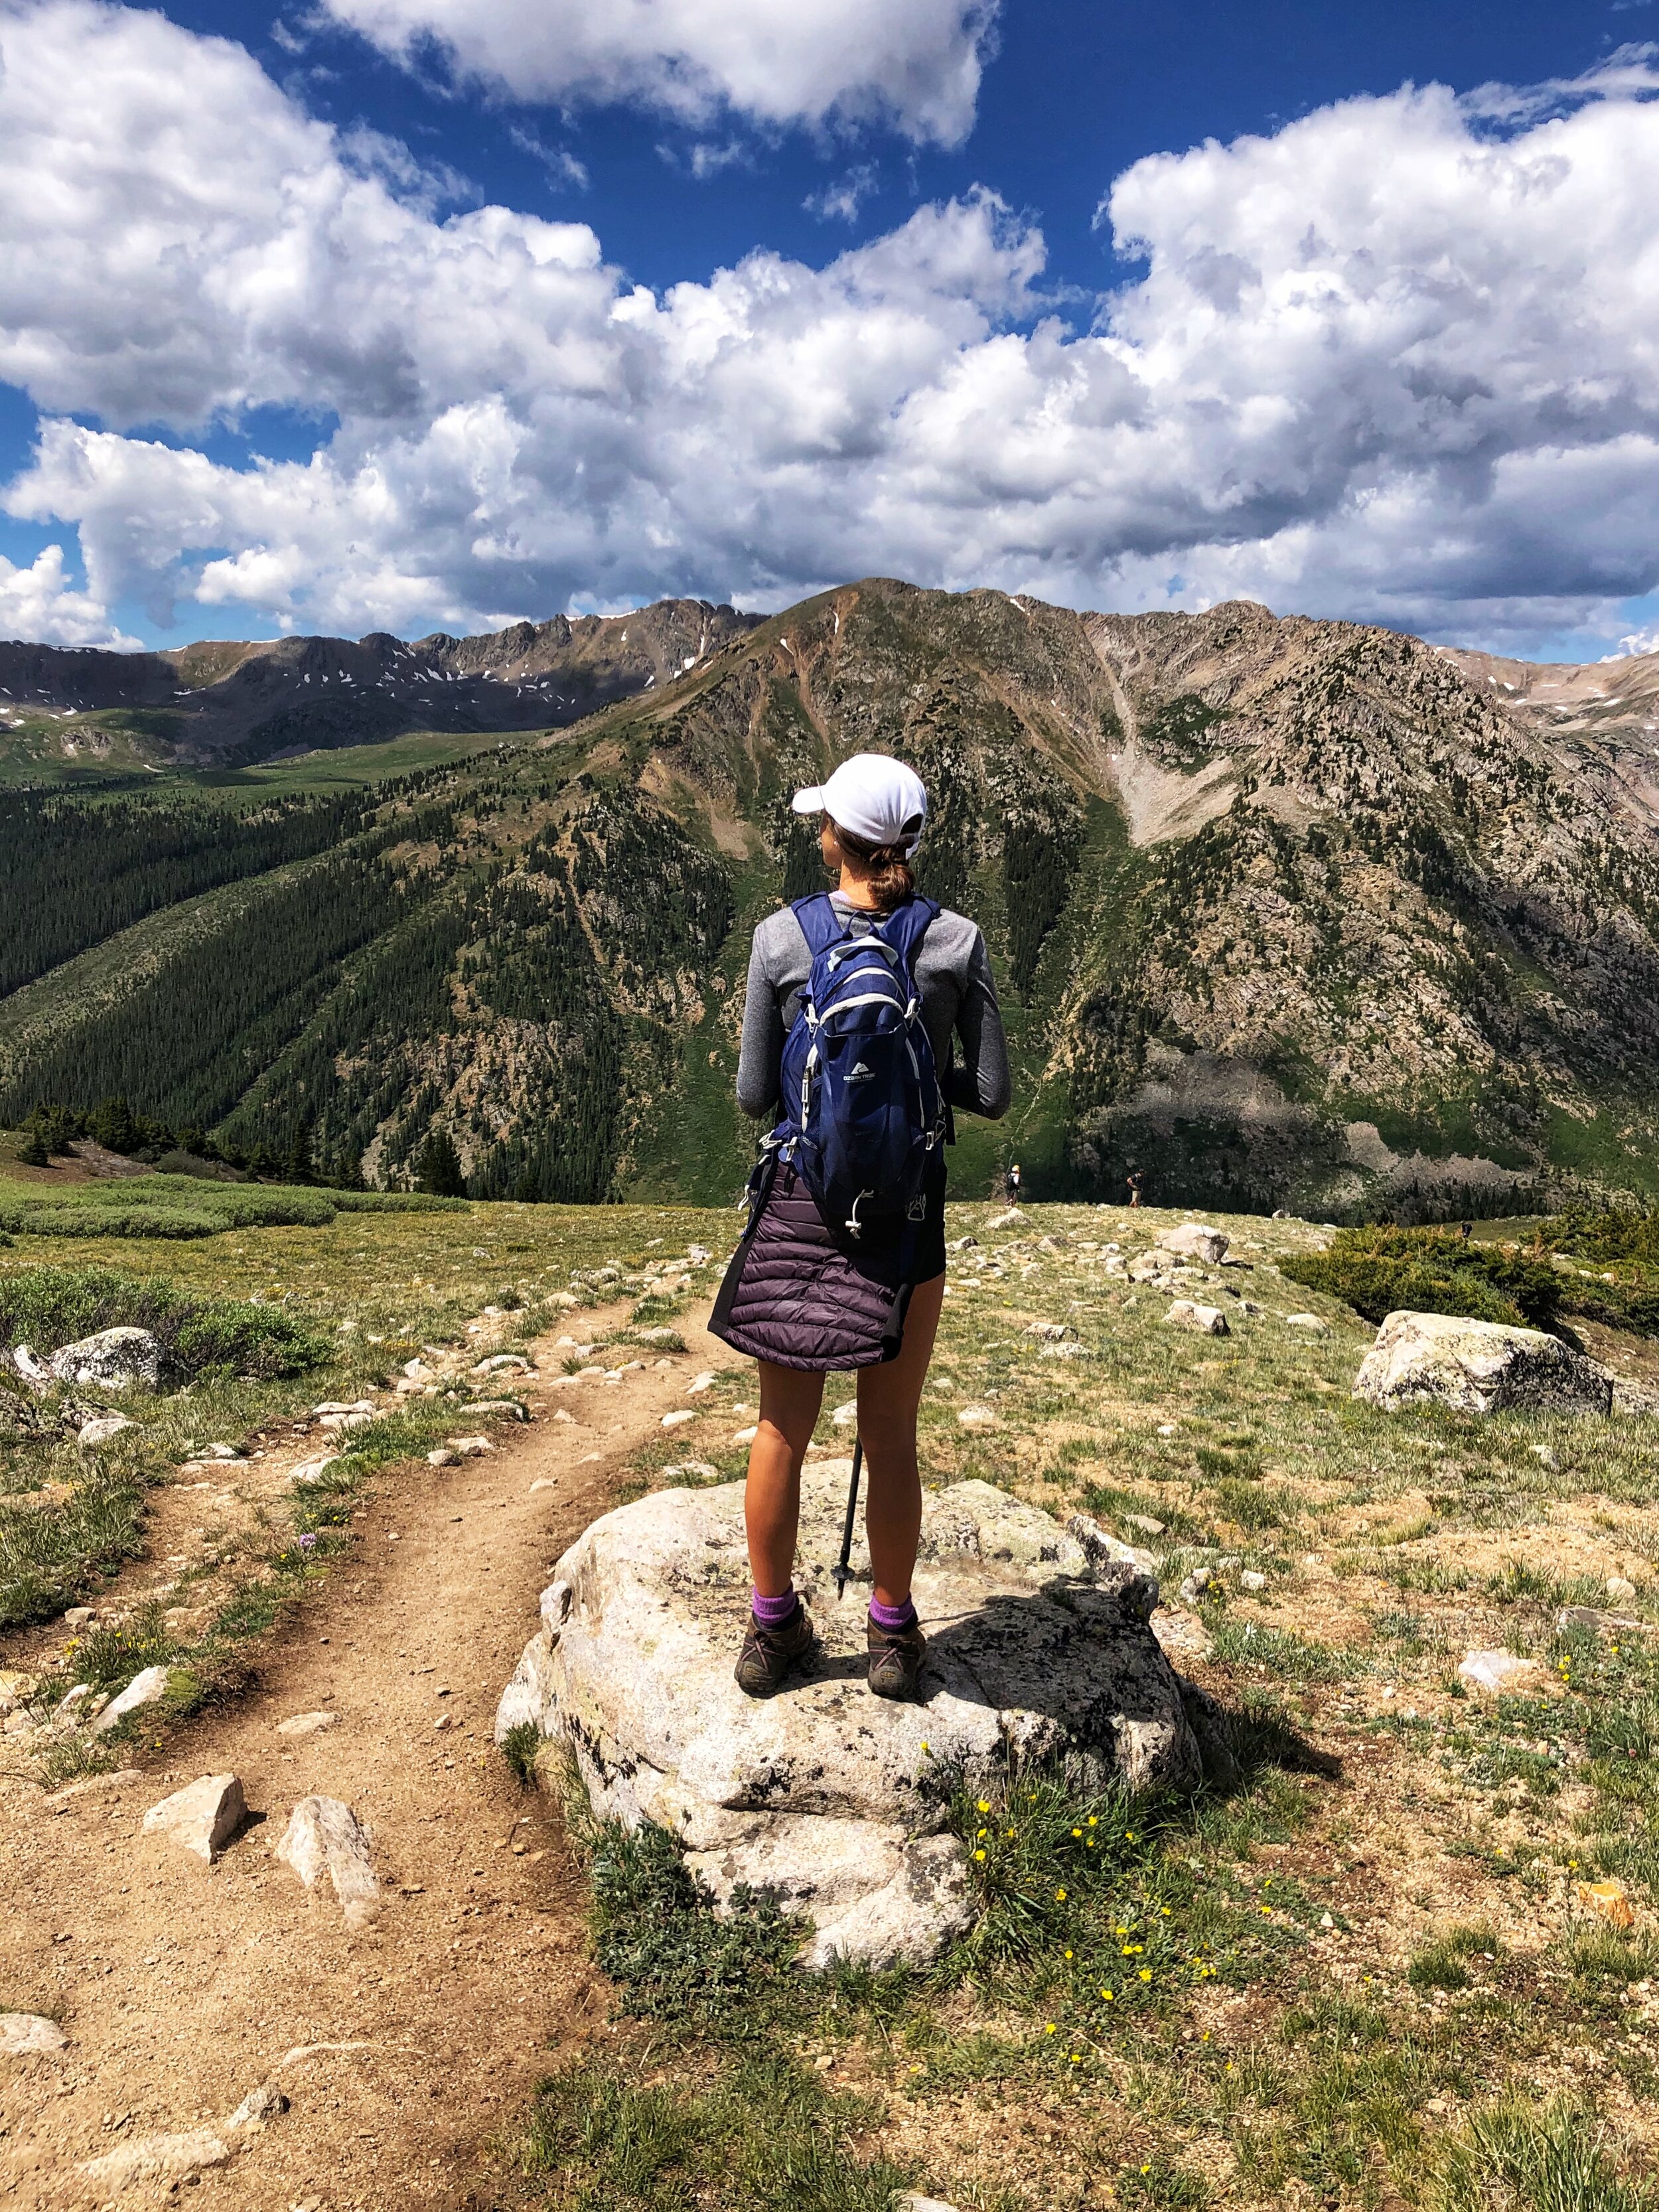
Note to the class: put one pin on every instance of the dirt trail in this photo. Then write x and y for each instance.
(404, 2048)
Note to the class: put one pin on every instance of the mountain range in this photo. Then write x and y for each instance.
(1285, 912)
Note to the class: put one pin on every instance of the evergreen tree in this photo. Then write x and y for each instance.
(34, 1153)
(300, 1166)
(438, 1168)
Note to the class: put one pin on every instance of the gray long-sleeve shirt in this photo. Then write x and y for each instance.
(958, 1001)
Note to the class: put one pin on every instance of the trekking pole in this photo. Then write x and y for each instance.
(842, 1570)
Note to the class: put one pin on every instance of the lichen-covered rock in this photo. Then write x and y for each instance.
(114, 1360)
(1477, 1367)
(1038, 1644)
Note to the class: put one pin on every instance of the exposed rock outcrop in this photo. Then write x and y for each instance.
(1038, 1646)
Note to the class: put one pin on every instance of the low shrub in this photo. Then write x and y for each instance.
(174, 1223)
(395, 1201)
(46, 1307)
(1378, 1272)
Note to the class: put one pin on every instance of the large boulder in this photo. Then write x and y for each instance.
(1038, 1646)
(1477, 1367)
(114, 1360)
(1193, 1240)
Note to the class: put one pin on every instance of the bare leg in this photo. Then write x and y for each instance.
(889, 1396)
(789, 1402)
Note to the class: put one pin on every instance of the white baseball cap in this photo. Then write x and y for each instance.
(878, 800)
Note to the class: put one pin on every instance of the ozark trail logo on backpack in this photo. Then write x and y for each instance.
(862, 1105)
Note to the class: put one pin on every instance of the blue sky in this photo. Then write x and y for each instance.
(317, 362)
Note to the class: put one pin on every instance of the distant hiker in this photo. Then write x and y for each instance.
(1134, 1189)
(858, 999)
(1010, 1185)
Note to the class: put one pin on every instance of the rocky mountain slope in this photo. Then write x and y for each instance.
(244, 703)
(1287, 913)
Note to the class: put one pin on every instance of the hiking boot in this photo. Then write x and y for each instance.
(895, 1657)
(768, 1654)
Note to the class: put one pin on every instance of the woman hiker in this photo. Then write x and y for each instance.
(807, 1296)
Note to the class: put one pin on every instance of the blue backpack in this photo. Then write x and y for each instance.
(861, 1106)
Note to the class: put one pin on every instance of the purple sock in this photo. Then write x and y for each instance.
(775, 1612)
(895, 1619)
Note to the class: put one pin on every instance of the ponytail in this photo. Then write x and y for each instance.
(890, 879)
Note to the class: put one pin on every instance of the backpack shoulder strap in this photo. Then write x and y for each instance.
(906, 926)
(820, 924)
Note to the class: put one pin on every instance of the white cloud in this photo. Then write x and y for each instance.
(559, 161)
(40, 605)
(1387, 362)
(914, 63)
(840, 200)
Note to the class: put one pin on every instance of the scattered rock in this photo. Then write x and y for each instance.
(745, 1436)
(963, 1243)
(696, 1470)
(338, 1423)
(679, 1416)
(258, 2107)
(307, 1723)
(308, 1470)
(37, 1377)
(1183, 1635)
(114, 1360)
(1034, 1647)
(664, 1336)
(1252, 1579)
(1142, 1524)
(25, 2034)
(1064, 1352)
(1620, 1590)
(1320, 1328)
(1610, 1899)
(977, 1417)
(78, 1616)
(845, 1417)
(1010, 1220)
(324, 1837)
(1586, 1616)
(445, 1455)
(201, 1819)
(1477, 1367)
(148, 1688)
(1497, 1671)
(64, 1709)
(470, 1447)
(103, 1429)
(1548, 1457)
(1192, 1241)
(1637, 1399)
(1194, 1584)
(699, 1383)
(1051, 1331)
(908, 2200)
(157, 2158)
(503, 1363)
(1207, 1321)
(15, 1689)
(498, 1409)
